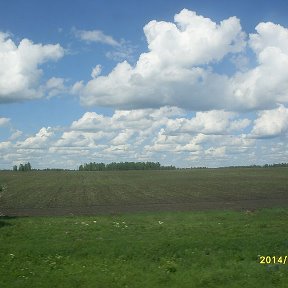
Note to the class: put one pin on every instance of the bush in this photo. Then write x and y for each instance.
(3, 188)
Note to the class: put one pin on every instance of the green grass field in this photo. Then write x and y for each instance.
(179, 249)
(215, 248)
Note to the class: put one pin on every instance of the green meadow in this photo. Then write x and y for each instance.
(178, 249)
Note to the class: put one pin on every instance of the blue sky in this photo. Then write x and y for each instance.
(188, 83)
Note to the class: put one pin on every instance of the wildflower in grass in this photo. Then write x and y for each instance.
(160, 222)
(94, 221)
(116, 224)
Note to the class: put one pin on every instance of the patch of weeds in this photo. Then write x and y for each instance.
(168, 265)
(3, 188)
(54, 261)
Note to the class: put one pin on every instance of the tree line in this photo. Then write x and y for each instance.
(93, 166)
(275, 165)
(22, 167)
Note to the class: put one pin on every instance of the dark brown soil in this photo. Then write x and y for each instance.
(249, 204)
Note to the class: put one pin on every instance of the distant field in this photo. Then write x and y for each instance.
(121, 191)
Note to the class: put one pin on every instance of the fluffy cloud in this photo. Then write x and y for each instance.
(168, 135)
(266, 84)
(82, 140)
(39, 141)
(193, 40)
(271, 123)
(19, 70)
(155, 133)
(123, 119)
(122, 138)
(168, 74)
(95, 36)
(211, 122)
(55, 86)
(179, 68)
(216, 152)
(161, 126)
(269, 35)
(4, 121)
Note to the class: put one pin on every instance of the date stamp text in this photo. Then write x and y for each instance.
(273, 259)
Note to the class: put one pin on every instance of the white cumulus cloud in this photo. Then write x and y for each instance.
(169, 74)
(266, 84)
(212, 122)
(179, 68)
(39, 141)
(271, 123)
(19, 69)
(168, 135)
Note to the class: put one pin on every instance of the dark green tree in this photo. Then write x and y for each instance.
(92, 166)
(25, 167)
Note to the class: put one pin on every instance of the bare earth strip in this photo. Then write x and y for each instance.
(249, 204)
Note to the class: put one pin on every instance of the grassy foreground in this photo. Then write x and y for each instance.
(180, 249)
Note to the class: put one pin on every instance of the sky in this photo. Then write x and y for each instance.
(185, 83)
